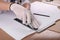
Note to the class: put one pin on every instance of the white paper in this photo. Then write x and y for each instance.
(45, 9)
(12, 27)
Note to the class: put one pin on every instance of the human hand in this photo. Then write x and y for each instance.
(21, 13)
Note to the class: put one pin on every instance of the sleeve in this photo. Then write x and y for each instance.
(25, 1)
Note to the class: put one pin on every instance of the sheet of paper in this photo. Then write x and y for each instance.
(45, 9)
(12, 27)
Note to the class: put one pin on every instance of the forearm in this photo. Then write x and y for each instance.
(4, 5)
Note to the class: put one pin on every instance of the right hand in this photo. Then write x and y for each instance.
(25, 15)
(21, 13)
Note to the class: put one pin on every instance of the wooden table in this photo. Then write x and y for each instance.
(5, 36)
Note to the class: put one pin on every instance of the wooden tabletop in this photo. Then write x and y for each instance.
(5, 36)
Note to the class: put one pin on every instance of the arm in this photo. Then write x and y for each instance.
(4, 5)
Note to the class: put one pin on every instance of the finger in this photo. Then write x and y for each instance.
(28, 17)
(24, 18)
(35, 23)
